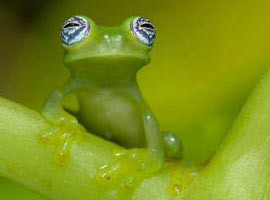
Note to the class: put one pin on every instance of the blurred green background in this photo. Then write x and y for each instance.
(208, 55)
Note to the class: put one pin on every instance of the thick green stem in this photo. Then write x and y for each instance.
(26, 160)
(239, 170)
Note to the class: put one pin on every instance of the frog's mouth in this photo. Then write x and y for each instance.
(106, 66)
(106, 59)
(109, 56)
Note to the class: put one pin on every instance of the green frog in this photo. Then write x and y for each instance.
(103, 62)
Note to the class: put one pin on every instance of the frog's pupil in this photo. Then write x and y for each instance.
(148, 26)
(71, 25)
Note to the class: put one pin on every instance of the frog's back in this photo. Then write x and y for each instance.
(112, 114)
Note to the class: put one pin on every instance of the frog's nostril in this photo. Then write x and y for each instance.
(118, 38)
(107, 38)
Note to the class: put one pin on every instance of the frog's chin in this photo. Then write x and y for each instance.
(107, 60)
(106, 65)
(110, 56)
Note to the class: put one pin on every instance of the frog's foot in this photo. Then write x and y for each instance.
(128, 166)
(173, 145)
(63, 136)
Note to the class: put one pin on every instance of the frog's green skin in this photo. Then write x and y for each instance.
(103, 77)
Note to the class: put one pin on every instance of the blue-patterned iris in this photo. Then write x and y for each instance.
(143, 30)
(75, 30)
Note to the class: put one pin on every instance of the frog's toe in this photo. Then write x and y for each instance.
(128, 166)
(173, 145)
(48, 135)
(62, 153)
(63, 138)
(61, 157)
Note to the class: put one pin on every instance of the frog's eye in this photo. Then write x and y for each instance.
(143, 30)
(75, 30)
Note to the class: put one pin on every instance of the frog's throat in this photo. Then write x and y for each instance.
(105, 74)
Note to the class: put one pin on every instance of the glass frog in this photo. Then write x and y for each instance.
(103, 62)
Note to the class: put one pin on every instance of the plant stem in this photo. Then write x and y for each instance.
(239, 170)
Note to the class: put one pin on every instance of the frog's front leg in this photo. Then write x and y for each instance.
(137, 163)
(65, 127)
(153, 135)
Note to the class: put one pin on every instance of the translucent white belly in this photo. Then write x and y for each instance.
(113, 116)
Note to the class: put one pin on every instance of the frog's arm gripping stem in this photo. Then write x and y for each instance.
(154, 137)
(53, 110)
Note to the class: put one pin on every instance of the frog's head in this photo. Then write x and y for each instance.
(96, 49)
